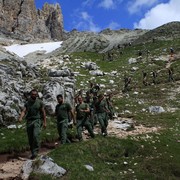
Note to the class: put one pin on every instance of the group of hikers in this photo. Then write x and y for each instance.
(89, 110)
(154, 74)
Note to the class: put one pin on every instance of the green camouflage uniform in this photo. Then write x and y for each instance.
(101, 111)
(33, 124)
(110, 107)
(83, 120)
(62, 113)
(90, 102)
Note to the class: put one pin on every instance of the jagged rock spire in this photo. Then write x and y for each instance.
(21, 18)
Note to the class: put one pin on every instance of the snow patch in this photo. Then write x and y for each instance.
(23, 50)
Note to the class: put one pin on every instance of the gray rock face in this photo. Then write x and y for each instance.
(20, 19)
(18, 77)
(98, 42)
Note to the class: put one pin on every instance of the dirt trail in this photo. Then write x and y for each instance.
(11, 164)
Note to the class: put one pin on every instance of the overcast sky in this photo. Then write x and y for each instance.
(96, 15)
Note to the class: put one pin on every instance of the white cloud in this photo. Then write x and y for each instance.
(107, 4)
(86, 23)
(137, 5)
(88, 3)
(159, 15)
(85, 16)
(114, 25)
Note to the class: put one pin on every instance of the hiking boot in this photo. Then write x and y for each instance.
(33, 156)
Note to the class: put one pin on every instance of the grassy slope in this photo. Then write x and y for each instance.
(152, 156)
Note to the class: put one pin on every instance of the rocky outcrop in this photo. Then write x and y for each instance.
(17, 78)
(43, 165)
(108, 40)
(167, 31)
(104, 41)
(21, 20)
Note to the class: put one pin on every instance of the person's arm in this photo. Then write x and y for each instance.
(22, 114)
(87, 110)
(44, 116)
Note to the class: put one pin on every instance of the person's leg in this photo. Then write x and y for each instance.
(36, 137)
(30, 136)
(79, 129)
(64, 128)
(106, 118)
(89, 128)
(101, 122)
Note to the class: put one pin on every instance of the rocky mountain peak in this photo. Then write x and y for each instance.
(21, 19)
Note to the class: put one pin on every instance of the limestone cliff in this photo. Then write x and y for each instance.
(21, 18)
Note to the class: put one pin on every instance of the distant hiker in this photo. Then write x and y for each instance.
(63, 113)
(95, 89)
(110, 56)
(171, 52)
(89, 101)
(33, 110)
(103, 56)
(83, 118)
(91, 85)
(139, 53)
(102, 111)
(144, 78)
(170, 73)
(154, 74)
(119, 49)
(147, 54)
(110, 105)
(127, 81)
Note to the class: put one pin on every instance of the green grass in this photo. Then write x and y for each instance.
(150, 156)
(146, 158)
(15, 140)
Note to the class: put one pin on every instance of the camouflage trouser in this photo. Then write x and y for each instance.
(111, 113)
(84, 123)
(62, 127)
(33, 132)
(170, 78)
(103, 121)
(95, 118)
(92, 119)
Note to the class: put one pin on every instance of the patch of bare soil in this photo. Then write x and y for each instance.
(136, 131)
(11, 164)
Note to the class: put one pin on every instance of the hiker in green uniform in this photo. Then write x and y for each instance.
(95, 89)
(63, 112)
(83, 118)
(89, 101)
(102, 111)
(170, 72)
(154, 74)
(34, 111)
(127, 81)
(110, 105)
(144, 78)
